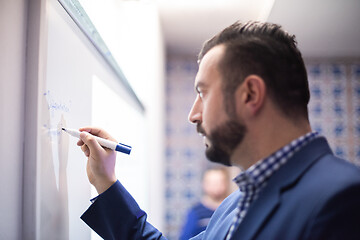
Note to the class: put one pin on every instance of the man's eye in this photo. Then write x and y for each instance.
(201, 95)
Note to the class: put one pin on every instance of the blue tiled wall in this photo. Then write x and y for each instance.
(334, 111)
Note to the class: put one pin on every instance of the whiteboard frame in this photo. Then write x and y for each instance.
(82, 20)
(35, 73)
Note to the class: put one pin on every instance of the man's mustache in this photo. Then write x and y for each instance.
(200, 129)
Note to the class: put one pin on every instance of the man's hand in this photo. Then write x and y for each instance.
(101, 161)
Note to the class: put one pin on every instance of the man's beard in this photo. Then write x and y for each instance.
(224, 140)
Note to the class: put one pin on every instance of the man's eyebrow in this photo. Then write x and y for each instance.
(199, 85)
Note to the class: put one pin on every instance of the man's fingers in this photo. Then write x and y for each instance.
(90, 142)
(80, 143)
(97, 132)
(86, 150)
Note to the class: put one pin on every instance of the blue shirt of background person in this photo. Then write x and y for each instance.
(197, 219)
(215, 186)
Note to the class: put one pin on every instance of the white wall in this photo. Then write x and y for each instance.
(140, 53)
(12, 67)
(132, 32)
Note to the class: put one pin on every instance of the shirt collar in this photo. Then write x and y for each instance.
(258, 174)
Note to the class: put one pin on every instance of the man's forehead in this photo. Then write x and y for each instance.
(214, 53)
(209, 65)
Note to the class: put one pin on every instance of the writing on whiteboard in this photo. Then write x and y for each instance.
(56, 105)
(57, 108)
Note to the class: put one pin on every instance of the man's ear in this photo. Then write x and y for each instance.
(252, 94)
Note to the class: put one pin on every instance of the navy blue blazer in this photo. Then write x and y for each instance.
(315, 195)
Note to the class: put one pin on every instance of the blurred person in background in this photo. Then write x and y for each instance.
(216, 187)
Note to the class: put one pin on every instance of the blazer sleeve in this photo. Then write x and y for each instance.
(116, 215)
(339, 218)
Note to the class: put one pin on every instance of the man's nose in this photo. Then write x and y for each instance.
(195, 114)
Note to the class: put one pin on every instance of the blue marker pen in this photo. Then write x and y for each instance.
(103, 142)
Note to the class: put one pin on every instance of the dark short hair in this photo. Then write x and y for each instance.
(266, 50)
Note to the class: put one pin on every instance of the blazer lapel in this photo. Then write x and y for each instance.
(269, 199)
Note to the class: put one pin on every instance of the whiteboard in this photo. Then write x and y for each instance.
(65, 99)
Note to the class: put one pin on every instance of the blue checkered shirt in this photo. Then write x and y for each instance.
(253, 180)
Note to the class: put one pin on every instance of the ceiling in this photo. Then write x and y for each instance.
(324, 28)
